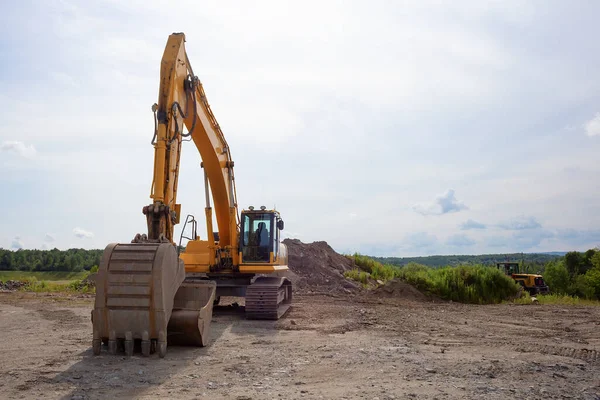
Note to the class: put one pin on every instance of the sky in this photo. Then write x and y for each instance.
(391, 128)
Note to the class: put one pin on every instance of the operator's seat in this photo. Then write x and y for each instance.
(262, 234)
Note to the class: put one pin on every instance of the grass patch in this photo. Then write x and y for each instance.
(358, 276)
(51, 282)
(376, 270)
(559, 299)
(41, 276)
(33, 285)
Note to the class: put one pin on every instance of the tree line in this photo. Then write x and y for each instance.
(72, 260)
(530, 262)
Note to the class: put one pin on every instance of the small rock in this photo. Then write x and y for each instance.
(430, 370)
(140, 372)
(292, 322)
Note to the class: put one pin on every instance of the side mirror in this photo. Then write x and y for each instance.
(280, 224)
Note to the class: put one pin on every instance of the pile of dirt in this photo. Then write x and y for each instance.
(400, 290)
(9, 286)
(316, 267)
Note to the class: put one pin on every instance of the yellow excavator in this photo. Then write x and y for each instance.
(152, 291)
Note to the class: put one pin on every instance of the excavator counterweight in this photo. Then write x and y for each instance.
(150, 292)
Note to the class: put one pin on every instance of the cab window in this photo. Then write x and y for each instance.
(257, 238)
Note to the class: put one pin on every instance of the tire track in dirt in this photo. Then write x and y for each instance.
(592, 356)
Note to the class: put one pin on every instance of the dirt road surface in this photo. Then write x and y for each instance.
(325, 348)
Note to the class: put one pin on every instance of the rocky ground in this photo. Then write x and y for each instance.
(328, 347)
(11, 285)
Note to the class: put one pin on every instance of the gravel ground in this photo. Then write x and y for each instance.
(326, 347)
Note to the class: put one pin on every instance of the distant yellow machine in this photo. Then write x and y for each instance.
(533, 283)
(152, 292)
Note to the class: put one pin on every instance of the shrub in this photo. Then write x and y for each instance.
(557, 277)
(357, 275)
(592, 280)
(467, 284)
(376, 269)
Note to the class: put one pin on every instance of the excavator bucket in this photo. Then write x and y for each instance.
(192, 313)
(135, 293)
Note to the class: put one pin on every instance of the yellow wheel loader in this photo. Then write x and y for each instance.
(150, 292)
(533, 283)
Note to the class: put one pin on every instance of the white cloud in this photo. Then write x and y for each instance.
(471, 224)
(419, 241)
(49, 238)
(443, 204)
(460, 240)
(82, 233)
(520, 223)
(592, 127)
(17, 243)
(522, 240)
(26, 151)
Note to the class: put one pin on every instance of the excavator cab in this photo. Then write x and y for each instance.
(259, 241)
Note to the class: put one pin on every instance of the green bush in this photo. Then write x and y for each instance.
(357, 275)
(592, 279)
(376, 269)
(466, 284)
(557, 277)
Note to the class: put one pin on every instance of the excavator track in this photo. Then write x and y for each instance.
(268, 298)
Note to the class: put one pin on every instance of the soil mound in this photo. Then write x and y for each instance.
(400, 290)
(317, 267)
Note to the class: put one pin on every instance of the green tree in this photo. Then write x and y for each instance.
(557, 277)
(596, 260)
(592, 278)
(573, 262)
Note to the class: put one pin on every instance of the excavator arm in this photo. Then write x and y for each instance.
(182, 102)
